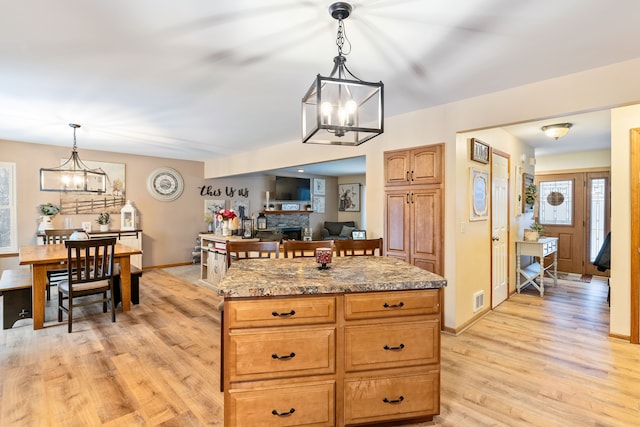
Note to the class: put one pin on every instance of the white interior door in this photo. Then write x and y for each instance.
(499, 228)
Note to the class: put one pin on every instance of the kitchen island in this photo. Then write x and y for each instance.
(356, 344)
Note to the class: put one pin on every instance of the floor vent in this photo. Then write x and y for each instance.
(478, 301)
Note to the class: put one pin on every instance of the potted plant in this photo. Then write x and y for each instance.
(531, 195)
(533, 233)
(47, 211)
(309, 207)
(103, 220)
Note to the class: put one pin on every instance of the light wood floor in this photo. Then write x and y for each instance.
(532, 361)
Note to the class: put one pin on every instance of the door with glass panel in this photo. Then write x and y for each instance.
(574, 207)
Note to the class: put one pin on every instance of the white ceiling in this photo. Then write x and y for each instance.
(196, 79)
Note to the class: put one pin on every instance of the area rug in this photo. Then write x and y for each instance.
(573, 277)
(189, 273)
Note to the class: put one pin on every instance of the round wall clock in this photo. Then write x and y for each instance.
(165, 184)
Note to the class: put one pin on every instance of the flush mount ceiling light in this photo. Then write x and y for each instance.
(342, 109)
(556, 131)
(73, 175)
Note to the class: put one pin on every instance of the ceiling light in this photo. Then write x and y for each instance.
(556, 131)
(342, 109)
(73, 175)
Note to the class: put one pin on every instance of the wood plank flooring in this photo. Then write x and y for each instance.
(531, 362)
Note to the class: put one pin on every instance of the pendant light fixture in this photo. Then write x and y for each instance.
(73, 175)
(342, 109)
(556, 131)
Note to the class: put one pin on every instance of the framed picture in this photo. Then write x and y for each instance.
(349, 197)
(479, 203)
(241, 208)
(212, 206)
(91, 203)
(479, 151)
(358, 234)
(318, 204)
(318, 186)
(519, 191)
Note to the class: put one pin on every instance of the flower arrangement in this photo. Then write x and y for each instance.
(208, 218)
(48, 209)
(225, 215)
(104, 218)
(531, 194)
(536, 226)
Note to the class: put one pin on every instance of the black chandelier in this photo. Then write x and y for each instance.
(342, 109)
(73, 175)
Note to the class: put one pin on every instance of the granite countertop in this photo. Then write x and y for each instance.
(301, 276)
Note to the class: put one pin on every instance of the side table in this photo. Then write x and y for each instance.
(533, 274)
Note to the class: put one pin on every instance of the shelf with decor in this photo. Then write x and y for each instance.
(281, 212)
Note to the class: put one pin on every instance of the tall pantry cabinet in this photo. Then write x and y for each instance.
(414, 206)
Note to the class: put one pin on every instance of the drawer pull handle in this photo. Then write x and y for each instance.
(400, 304)
(285, 357)
(398, 400)
(400, 347)
(276, 314)
(283, 414)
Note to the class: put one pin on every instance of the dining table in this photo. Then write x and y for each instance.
(49, 257)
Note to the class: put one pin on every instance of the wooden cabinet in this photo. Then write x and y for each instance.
(332, 360)
(213, 258)
(132, 238)
(414, 208)
(416, 166)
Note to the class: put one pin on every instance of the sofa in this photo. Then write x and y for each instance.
(338, 230)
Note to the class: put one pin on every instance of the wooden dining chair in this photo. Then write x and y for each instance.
(51, 237)
(298, 248)
(90, 273)
(238, 250)
(366, 247)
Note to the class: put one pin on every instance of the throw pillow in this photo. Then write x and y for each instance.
(346, 231)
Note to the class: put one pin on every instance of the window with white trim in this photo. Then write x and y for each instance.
(8, 215)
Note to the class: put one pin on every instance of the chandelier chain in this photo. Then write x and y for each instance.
(341, 38)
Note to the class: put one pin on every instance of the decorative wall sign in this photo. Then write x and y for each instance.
(479, 184)
(349, 197)
(527, 180)
(290, 206)
(479, 151)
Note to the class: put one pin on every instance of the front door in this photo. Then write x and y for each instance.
(499, 228)
(575, 208)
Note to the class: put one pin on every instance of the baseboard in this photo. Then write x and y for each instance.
(468, 324)
(621, 337)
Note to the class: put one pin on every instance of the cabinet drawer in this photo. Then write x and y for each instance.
(281, 354)
(281, 312)
(388, 398)
(309, 405)
(392, 345)
(387, 304)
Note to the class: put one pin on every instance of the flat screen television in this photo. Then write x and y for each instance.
(290, 188)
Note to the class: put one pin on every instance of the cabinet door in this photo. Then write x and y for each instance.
(397, 167)
(426, 165)
(426, 220)
(397, 224)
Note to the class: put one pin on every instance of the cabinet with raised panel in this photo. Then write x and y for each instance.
(416, 166)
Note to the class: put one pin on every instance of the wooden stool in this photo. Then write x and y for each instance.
(15, 286)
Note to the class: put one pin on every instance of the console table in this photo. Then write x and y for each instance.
(533, 274)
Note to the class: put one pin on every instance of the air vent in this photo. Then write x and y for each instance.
(478, 301)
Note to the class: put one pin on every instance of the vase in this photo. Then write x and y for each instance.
(210, 227)
(45, 223)
(104, 227)
(226, 231)
(531, 235)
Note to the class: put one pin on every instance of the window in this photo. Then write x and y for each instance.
(556, 202)
(8, 216)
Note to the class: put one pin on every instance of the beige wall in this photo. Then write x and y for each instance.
(605, 87)
(585, 160)
(170, 228)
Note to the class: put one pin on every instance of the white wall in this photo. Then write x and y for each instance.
(605, 87)
(583, 160)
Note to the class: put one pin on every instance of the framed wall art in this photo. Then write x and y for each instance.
(479, 151)
(349, 197)
(527, 180)
(318, 204)
(479, 203)
(91, 203)
(318, 186)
